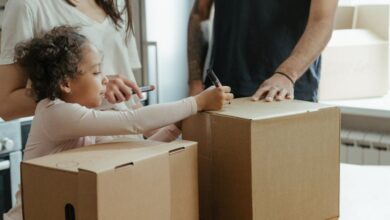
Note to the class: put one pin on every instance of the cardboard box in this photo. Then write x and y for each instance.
(267, 161)
(118, 181)
(355, 61)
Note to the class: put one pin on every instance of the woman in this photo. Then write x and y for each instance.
(106, 23)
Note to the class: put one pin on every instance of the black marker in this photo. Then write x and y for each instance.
(145, 89)
(213, 78)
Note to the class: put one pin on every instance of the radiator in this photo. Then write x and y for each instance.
(368, 148)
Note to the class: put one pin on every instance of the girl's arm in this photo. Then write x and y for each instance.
(63, 121)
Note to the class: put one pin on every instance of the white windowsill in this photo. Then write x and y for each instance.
(375, 107)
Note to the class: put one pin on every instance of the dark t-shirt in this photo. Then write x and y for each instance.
(253, 37)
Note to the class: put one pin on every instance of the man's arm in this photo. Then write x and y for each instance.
(314, 39)
(15, 101)
(196, 49)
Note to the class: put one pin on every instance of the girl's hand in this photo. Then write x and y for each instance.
(213, 98)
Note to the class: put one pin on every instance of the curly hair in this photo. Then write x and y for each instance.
(51, 59)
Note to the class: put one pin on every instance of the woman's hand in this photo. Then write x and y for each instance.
(120, 89)
(213, 98)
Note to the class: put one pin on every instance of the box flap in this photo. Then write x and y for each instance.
(355, 37)
(245, 108)
(108, 156)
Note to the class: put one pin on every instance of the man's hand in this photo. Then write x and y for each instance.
(195, 87)
(120, 89)
(277, 87)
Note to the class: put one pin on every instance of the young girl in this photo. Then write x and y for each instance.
(64, 68)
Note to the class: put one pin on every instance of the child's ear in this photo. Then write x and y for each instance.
(65, 87)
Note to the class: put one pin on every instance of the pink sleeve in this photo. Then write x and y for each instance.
(65, 120)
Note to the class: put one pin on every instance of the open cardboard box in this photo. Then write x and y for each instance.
(355, 62)
(116, 181)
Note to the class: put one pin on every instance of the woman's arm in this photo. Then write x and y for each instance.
(18, 26)
(14, 99)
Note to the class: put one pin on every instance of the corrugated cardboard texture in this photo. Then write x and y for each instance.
(268, 161)
(133, 180)
(231, 168)
(40, 181)
(295, 168)
(87, 197)
(128, 192)
(198, 128)
(184, 176)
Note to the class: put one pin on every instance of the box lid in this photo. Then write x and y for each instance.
(245, 108)
(103, 157)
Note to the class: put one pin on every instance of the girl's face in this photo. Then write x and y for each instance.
(89, 87)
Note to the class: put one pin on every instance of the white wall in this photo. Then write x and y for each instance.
(354, 2)
(166, 25)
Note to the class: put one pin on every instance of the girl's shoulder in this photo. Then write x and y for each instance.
(56, 107)
(47, 103)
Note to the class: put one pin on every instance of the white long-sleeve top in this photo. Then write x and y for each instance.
(58, 126)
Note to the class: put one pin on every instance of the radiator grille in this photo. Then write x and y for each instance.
(361, 147)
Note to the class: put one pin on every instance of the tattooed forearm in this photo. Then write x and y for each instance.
(197, 47)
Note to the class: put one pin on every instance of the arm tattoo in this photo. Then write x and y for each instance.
(197, 47)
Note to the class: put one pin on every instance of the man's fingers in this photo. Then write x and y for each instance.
(282, 95)
(271, 94)
(290, 96)
(260, 93)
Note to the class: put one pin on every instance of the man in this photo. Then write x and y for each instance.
(267, 49)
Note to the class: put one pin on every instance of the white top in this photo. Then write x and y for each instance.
(25, 19)
(58, 126)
